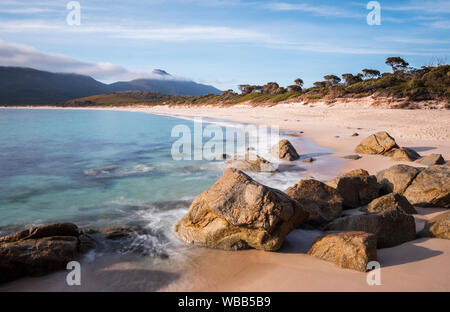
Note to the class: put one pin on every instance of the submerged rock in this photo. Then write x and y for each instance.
(284, 150)
(251, 163)
(438, 227)
(327, 199)
(392, 228)
(378, 143)
(238, 213)
(389, 202)
(350, 250)
(430, 160)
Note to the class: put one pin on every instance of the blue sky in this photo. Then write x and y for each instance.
(221, 42)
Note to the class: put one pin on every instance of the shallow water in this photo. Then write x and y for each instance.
(109, 168)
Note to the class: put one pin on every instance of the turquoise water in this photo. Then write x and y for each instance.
(109, 168)
(96, 168)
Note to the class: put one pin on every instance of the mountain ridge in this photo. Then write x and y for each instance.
(28, 86)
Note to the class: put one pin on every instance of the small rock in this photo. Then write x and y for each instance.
(284, 150)
(223, 157)
(352, 157)
(438, 227)
(430, 160)
(378, 143)
(402, 154)
(355, 134)
(350, 250)
(251, 163)
(389, 202)
(309, 160)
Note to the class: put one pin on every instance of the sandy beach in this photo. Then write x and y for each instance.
(419, 265)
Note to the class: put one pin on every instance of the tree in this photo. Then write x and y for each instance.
(299, 82)
(244, 88)
(228, 92)
(332, 79)
(397, 63)
(270, 88)
(294, 88)
(350, 79)
(371, 73)
(247, 89)
(320, 84)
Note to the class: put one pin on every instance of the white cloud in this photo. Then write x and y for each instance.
(441, 24)
(12, 54)
(155, 33)
(429, 6)
(25, 11)
(319, 10)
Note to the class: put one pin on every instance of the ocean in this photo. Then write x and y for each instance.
(100, 168)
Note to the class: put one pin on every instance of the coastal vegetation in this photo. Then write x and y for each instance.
(428, 83)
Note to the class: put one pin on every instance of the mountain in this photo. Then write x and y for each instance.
(27, 86)
(171, 87)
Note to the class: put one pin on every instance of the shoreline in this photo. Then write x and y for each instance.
(418, 265)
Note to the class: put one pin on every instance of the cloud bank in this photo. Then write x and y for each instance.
(13, 54)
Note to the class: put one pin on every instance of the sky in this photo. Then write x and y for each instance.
(221, 42)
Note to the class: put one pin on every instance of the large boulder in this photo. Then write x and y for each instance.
(391, 227)
(238, 213)
(251, 163)
(397, 178)
(40, 250)
(402, 154)
(328, 201)
(430, 188)
(438, 226)
(350, 250)
(430, 160)
(356, 188)
(284, 150)
(378, 143)
(392, 201)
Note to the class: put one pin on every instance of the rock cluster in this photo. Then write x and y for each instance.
(382, 143)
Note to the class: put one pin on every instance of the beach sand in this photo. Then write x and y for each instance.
(419, 265)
